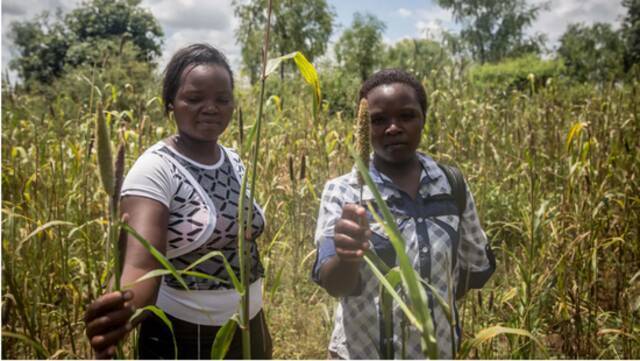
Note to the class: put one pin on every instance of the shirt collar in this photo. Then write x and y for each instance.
(430, 173)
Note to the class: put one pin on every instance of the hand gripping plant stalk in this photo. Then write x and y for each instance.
(418, 310)
(363, 150)
(111, 186)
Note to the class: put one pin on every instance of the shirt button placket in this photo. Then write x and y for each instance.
(423, 246)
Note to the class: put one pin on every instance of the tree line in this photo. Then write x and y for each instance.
(492, 32)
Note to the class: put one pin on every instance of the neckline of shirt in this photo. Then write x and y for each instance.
(425, 177)
(198, 164)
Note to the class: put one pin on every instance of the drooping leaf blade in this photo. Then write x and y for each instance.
(416, 292)
(223, 338)
(162, 316)
(155, 253)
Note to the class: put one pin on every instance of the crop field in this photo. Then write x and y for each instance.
(555, 171)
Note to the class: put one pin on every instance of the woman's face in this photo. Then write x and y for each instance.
(204, 103)
(396, 122)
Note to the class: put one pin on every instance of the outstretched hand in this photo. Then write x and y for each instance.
(352, 233)
(107, 321)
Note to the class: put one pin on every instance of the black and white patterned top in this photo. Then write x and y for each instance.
(439, 244)
(203, 202)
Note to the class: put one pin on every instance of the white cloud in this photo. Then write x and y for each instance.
(190, 14)
(554, 21)
(432, 22)
(21, 10)
(213, 21)
(194, 21)
(220, 39)
(404, 12)
(183, 21)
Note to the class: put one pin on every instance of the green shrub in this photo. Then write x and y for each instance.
(514, 73)
(340, 90)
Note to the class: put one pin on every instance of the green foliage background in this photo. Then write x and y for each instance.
(553, 162)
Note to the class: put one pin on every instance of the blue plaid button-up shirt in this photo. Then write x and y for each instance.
(441, 245)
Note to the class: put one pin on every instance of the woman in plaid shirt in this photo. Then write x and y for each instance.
(446, 244)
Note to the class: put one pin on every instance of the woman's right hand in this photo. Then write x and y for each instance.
(107, 321)
(352, 233)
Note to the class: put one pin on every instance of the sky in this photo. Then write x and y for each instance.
(213, 21)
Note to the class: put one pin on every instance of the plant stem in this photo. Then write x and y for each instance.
(245, 267)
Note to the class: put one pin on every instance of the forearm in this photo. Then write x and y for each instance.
(340, 278)
(144, 292)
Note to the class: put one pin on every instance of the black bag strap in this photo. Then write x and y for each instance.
(458, 186)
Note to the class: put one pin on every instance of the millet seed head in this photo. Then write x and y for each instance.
(105, 159)
(363, 145)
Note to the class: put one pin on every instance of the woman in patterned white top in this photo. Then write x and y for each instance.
(435, 214)
(182, 195)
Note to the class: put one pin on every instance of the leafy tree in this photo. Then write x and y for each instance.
(124, 20)
(631, 32)
(42, 46)
(125, 81)
(495, 29)
(592, 53)
(303, 26)
(360, 48)
(46, 46)
(420, 56)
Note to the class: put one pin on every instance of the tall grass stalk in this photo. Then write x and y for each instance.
(410, 278)
(245, 256)
(363, 151)
(587, 212)
(363, 146)
(111, 182)
(105, 165)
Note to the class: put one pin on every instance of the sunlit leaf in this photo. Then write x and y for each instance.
(155, 253)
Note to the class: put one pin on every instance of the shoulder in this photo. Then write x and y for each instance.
(439, 181)
(430, 165)
(234, 159)
(155, 166)
(233, 154)
(347, 180)
(152, 176)
(154, 158)
(340, 189)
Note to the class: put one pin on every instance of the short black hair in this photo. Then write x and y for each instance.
(390, 76)
(194, 54)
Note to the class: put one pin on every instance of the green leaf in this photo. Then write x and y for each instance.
(202, 275)
(223, 338)
(245, 220)
(156, 254)
(40, 229)
(158, 312)
(236, 282)
(163, 272)
(416, 292)
(151, 274)
(386, 304)
(379, 263)
(306, 69)
(42, 353)
(441, 301)
(390, 288)
(246, 146)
